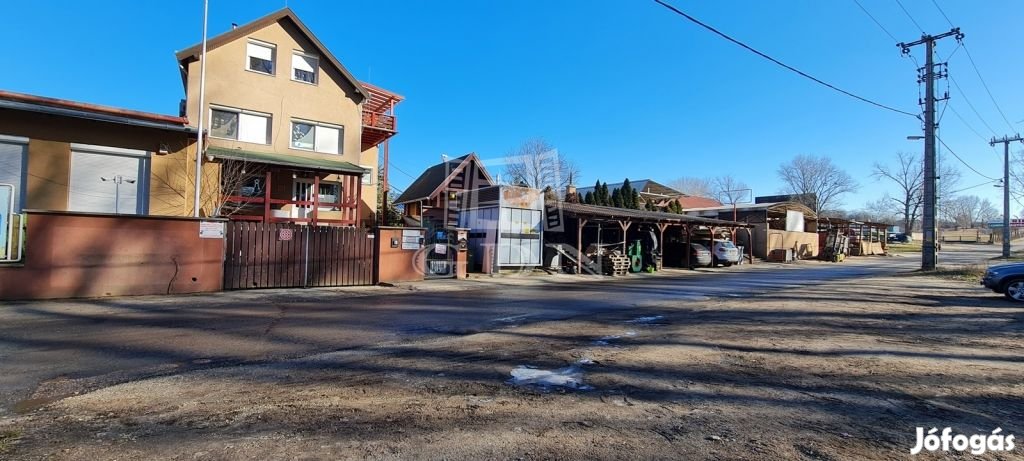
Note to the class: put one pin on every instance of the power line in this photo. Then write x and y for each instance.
(973, 187)
(780, 63)
(985, 85)
(951, 151)
(392, 165)
(969, 127)
(879, 24)
(898, 2)
(934, 2)
(968, 101)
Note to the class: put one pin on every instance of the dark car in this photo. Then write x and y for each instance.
(1007, 279)
(900, 238)
(699, 255)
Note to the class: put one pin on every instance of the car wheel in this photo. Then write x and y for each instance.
(727, 264)
(1014, 290)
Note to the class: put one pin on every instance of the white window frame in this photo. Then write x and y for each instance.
(273, 56)
(316, 70)
(22, 186)
(368, 177)
(316, 125)
(238, 129)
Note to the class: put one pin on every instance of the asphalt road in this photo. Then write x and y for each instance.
(52, 349)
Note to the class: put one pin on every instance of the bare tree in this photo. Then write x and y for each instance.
(700, 187)
(175, 185)
(537, 164)
(808, 176)
(729, 190)
(879, 211)
(908, 176)
(969, 211)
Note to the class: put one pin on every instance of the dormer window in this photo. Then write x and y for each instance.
(305, 67)
(260, 57)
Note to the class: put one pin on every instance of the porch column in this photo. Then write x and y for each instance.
(358, 180)
(266, 198)
(661, 242)
(316, 197)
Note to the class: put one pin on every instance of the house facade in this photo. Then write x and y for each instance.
(293, 135)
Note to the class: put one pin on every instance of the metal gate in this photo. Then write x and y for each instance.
(440, 254)
(285, 255)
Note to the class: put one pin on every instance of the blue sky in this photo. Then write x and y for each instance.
(624, 88)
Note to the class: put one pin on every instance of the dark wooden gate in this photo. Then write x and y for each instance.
(284, 255)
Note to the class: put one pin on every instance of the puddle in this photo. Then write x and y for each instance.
(570, 377)
(28, 405)
(645, 320)
(607, 340)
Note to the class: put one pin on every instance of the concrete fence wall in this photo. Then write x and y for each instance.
(69, 255)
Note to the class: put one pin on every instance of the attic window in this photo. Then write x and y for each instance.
(260, 57)
(304, 67)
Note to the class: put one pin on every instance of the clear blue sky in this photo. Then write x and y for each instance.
(624, 88)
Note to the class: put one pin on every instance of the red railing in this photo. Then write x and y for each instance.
(378, 120)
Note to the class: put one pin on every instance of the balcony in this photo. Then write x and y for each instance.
(379, 123)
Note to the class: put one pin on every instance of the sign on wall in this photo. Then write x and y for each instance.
(411, 239)
(211, 229)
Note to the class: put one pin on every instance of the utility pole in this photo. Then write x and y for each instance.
(929, 77)
(1006, 188)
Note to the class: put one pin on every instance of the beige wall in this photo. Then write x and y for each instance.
(806, 243)
(49, 158)
(332, 100)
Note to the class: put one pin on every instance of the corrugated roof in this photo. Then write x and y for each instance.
(294, 161)
(776, 207)
(625, 213)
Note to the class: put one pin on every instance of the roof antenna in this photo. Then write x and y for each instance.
(444, 158)
(234, 25)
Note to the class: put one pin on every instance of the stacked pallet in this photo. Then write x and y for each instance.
(615, 264)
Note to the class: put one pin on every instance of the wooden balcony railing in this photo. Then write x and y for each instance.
(378, 120)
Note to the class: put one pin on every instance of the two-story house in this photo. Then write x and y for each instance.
(293, 136)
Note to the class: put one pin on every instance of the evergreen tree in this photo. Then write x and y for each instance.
(616, 198)
(627, 194)
(589, 198)
(635, 200)
(597, 193)
(579, 197)
(606, 198)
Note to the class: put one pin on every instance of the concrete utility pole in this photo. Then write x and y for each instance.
(1006, 188)
(929, 77)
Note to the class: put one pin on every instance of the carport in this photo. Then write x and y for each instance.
(620, 221)
(866, 237)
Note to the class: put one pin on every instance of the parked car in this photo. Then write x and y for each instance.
(900, 238)
(1007, 279)
(725, 253)
(699, 255)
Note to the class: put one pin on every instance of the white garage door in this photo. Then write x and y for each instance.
(106, 180)
(12, 169)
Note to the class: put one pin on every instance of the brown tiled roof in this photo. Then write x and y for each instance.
(94, 108)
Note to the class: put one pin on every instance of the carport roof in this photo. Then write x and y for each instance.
(612, 213)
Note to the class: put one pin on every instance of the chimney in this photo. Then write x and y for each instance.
(234, 26)
(570, 194)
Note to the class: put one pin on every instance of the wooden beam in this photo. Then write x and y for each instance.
(580, 222)
(689, 247)
(625, 227)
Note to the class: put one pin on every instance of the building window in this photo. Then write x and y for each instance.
(368, 176)
(240, 125)
(260, 57)
(304, 67)
(317, 137)
(330, 194)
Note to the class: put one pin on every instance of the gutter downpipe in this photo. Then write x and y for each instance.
(202, 111)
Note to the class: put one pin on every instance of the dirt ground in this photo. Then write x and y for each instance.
(840, 371)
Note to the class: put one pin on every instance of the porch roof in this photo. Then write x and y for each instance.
(288, 160)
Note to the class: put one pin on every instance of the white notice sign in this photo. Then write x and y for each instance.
(411, 239)
(211, 229)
